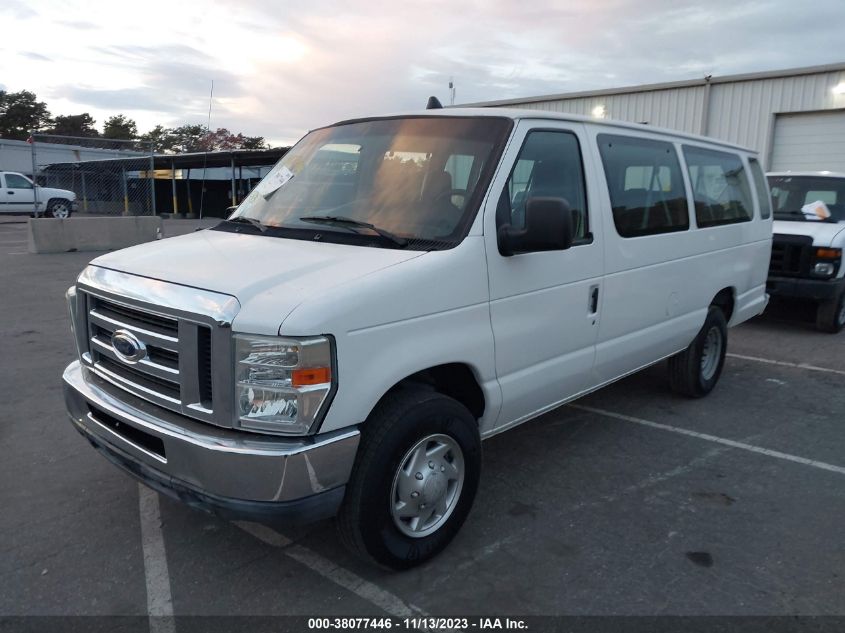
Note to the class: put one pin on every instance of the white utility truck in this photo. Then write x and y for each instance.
(809, 235)
(18, 196)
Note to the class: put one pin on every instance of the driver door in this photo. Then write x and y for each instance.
(545, 306)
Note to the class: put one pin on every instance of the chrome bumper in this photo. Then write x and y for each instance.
(231, 473)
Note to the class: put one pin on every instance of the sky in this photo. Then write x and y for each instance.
(281, 68)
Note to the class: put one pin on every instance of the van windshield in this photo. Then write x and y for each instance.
(791, 193)
(410, 182)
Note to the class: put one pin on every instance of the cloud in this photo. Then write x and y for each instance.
(18, 10)
(79, 25)
(278, 73)
(36, 56)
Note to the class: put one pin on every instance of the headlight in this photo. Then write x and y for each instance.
(823, 269)
(827, 261)
(281, 383)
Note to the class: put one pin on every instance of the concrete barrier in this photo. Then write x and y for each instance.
(50, 235)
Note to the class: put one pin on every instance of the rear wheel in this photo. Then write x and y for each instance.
(414, 480)
(695, 371)
(830, 315)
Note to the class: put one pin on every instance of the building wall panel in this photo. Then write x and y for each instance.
(741, 111)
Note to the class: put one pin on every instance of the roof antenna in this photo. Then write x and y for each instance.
(433, 104)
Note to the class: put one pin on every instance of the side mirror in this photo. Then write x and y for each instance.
(548, 227)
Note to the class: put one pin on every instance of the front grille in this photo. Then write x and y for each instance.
(138, 318)
(139, 378)
(791, 255)
(157, 375)
(174, 348)
(204, 371)
(177, 370)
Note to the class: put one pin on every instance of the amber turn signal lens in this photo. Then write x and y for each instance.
(828, 253)
(313, 376)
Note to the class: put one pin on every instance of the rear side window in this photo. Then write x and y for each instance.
(719, 186)
(762, 189)
(645, 184)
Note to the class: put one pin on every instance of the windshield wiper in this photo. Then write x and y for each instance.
(804, 216)
(344, 221)
(245, 220)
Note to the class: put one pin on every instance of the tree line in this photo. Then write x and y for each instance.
(21, 113)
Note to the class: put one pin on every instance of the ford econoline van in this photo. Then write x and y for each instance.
(398, 289)
(809, 235)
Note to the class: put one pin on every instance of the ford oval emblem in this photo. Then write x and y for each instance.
(127, 347)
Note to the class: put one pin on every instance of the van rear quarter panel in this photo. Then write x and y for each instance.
(424, 312)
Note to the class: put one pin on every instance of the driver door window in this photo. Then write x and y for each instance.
(15, 181)
(549, 166)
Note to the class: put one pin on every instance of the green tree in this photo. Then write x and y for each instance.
(189, 138)
(75, 125)
(120, 127)
(254, 142)
(161, 137)
(21, 113)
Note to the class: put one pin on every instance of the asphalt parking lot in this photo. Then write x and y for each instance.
(633, 501)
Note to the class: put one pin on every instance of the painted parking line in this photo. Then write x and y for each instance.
(375, 595)
(784, 363)
(159, 598)
(716, 440)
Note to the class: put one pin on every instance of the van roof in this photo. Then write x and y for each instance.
(524, 113)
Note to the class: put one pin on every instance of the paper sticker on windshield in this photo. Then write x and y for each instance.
(275, 180)
(816, 211)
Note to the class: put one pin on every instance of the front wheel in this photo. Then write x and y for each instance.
(695, 371)
(414, 480)
(830, 315)
(58, 209)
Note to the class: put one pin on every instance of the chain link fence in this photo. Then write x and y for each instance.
(108, 176)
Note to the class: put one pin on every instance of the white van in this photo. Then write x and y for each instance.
(398, 289)
(809, 235)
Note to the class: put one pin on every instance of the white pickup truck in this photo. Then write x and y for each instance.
(807, 246)
(399, 288)
(17, 196)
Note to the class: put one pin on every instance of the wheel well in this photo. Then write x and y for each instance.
(724, 299)
(455, 380)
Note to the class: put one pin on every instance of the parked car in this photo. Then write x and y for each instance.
(17, 196)
(398, 289)
(809, 235)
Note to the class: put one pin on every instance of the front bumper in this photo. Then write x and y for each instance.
(802, 288)
(231, 473)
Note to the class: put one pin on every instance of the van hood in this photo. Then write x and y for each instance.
(269, 276)
(823, 233)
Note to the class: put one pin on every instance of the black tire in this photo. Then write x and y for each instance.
(830, 315)
(397, 424)
(55, 206)
(687, 374)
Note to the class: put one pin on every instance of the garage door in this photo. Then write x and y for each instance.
(809, 142)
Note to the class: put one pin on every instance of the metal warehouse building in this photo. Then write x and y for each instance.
(794, 118)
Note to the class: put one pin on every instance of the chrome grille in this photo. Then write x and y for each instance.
(157, 375)
(186, 333)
